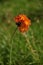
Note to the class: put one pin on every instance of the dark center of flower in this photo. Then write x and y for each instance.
(18, 24)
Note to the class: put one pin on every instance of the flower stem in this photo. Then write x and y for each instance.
(10, 63)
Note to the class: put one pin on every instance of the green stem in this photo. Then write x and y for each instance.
(10, 63)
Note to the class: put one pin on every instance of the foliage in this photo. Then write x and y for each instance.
(16, 50)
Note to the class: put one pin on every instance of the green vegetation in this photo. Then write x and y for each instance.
(21, 49)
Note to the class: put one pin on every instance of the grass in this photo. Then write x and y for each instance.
(21, 49)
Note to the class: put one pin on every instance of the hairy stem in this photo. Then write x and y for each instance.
(10, 63)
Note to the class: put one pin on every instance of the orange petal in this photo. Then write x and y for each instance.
(25, 22)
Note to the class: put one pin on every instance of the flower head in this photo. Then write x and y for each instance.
(22, 22)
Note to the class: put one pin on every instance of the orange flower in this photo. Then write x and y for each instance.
(22, 22)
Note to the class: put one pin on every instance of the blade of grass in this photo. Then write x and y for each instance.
(35, 56)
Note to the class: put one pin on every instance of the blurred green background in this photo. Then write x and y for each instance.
(16, 50)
